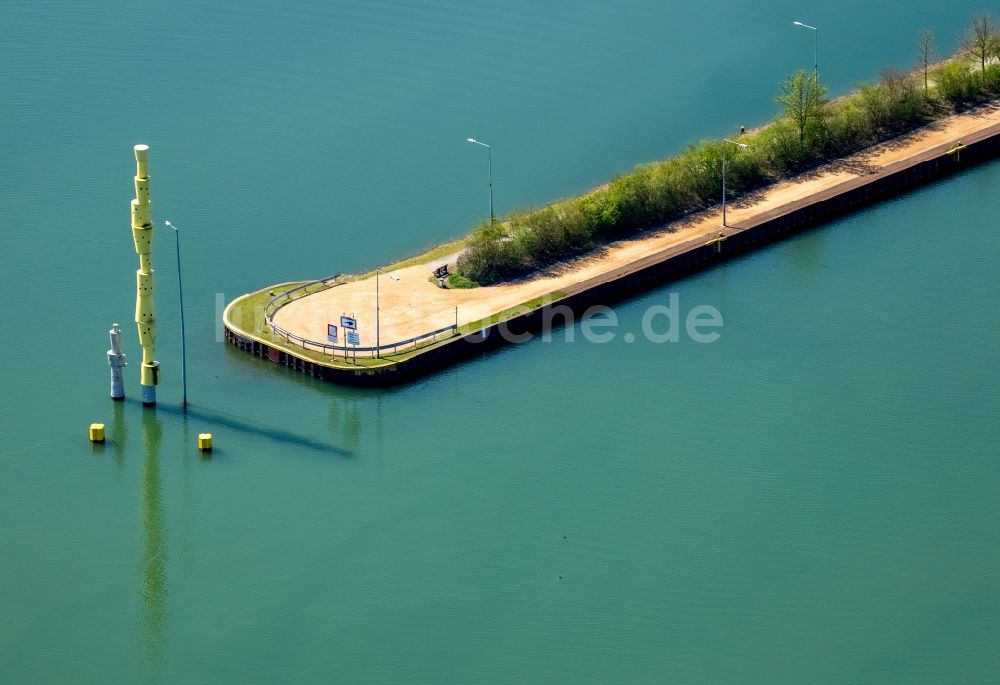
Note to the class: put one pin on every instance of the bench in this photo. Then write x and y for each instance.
(441, 273)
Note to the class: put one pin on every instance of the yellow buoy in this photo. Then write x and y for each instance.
(205, 442)
(97, 432)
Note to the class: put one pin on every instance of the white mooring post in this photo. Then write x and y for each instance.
(116, 360)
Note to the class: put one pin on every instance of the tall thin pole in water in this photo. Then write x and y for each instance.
(180, 292)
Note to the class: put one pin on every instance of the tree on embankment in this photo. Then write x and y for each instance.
(983, 41)
(925, 51)
(804, 100)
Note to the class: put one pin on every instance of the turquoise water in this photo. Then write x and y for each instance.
(810, 499)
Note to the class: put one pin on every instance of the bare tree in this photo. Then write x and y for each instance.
(981, 40)
(925, 49)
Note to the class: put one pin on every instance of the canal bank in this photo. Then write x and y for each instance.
(930, 153)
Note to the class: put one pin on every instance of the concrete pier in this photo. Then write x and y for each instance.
(788, 207)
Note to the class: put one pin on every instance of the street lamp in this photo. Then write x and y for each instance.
(816, 46)
(180, 291)
(489, 152)
(724, 159)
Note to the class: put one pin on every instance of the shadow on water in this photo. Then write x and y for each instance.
(151, 570)
(247, 427)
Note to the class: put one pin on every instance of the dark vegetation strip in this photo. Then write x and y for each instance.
(811, 131)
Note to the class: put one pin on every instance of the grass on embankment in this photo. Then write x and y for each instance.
(247, 315)
(247, 312)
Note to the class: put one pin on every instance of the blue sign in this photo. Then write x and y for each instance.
(349, 322)
(331, 332)
(353, 338)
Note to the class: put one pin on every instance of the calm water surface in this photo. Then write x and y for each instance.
(812, 499)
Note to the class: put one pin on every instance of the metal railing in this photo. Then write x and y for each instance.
(310, 288)
(283, 298)
(346, 349)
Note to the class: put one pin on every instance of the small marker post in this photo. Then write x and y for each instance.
(97, 432)
(204, 442)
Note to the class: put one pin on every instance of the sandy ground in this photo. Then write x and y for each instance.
(411, 305)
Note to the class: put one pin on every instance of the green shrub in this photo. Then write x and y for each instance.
(848, 128)
(460, 281)
(906, 103)
(670, 195)
(874, 103)
(630, 197)
(956, 83)
(702, 170)
(745, 169)
(574, 224)
(492, 255)
(600, 212)
(550, 233)
(779, 149)
(993, 78)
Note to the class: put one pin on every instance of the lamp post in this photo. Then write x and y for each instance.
(815, 47)
(489, 152)
(724, 160)
(378, 352)
(180, 291)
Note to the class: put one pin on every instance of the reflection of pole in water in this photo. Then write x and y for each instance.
(153, 561)
(378, 422)
(346, 420)
(119, 432)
